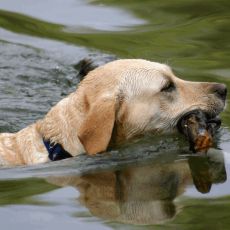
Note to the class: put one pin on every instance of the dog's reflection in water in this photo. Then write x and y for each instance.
(144, 194)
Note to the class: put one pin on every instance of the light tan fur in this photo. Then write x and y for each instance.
(113, 104)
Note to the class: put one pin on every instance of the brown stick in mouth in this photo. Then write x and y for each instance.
(199, 130)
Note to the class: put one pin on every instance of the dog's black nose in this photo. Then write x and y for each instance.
(220, 90)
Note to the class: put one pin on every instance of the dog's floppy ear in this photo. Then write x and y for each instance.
(96, 130)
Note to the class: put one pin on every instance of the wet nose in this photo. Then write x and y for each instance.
(220, 90)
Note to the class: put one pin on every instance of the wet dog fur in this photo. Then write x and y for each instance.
(114, 103)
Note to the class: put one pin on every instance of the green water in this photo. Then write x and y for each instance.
(141, 186)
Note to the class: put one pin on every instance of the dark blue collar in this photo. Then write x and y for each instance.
(56, 151)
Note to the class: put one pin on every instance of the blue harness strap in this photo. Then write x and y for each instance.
(56, 152)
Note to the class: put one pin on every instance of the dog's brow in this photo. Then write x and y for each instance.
(167, 78)
(167, 71)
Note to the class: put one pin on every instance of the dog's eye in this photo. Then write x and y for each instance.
(169, 87)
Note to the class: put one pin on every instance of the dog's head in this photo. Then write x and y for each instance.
(128, 98)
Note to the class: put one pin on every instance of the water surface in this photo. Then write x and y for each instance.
(151, 184)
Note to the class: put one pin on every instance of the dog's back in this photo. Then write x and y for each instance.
(23, 147)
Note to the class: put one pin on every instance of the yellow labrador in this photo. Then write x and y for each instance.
(114, 103)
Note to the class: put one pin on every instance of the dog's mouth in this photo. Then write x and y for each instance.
(199, 128)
